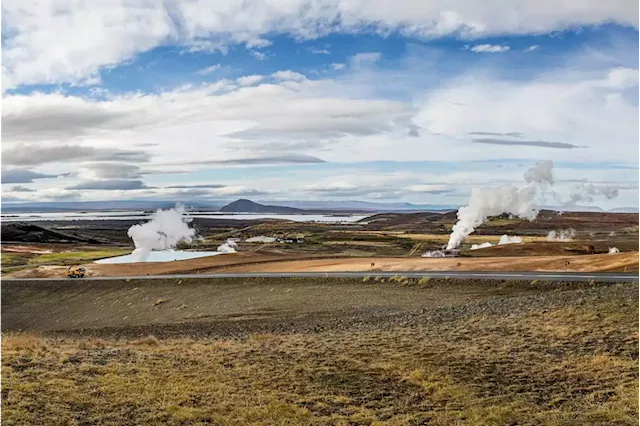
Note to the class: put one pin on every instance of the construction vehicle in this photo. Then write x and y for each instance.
(76, 272)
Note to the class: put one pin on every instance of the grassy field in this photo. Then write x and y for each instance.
(15, 261)
(73, 256)
(572, 364)
(436, 238)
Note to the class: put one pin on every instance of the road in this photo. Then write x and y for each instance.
(529, 276)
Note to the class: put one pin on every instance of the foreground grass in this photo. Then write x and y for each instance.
(574, 365)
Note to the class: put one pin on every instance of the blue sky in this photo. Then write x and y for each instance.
(399, 101)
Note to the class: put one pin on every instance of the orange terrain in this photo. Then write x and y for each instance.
(623, 262)
(254, 262)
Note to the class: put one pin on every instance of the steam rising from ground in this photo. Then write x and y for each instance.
(587, 192)
(261, 239)
(505, 239)
(164, 231)
(481, 246)
(435, 253)
(563, 235)
(485, 202)
(541, 173)
(228, 247)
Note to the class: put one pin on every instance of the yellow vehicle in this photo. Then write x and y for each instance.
(75, 272)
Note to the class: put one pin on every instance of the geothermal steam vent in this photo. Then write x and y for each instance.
(156, 240)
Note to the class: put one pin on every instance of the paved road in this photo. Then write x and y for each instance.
(546, 276)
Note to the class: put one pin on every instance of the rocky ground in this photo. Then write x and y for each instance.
(312, 351)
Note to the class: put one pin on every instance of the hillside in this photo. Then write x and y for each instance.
(29, 233)
(248, 206)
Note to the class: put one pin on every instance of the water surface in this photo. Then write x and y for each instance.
(161, 256)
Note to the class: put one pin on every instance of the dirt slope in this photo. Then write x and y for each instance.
(257, 262)
(40, 306)
(153, 268)
(590, 263)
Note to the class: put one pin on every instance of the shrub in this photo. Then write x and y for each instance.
(424, 281)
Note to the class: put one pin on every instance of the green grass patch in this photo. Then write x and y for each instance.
(501, 222)
(68, 257)
(14, 259)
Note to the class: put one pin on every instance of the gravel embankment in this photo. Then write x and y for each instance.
(237, 307)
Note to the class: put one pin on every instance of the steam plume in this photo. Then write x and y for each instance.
(164, 231)
(485, 202)
(481, 246)
(564, 235)
(505, 239)
(587, 192)
(228, 247)
(435, 253)
(541, 173)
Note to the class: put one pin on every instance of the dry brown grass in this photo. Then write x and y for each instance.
(572, 365)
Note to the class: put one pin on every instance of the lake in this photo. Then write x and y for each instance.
(140, 215)
(161, 256)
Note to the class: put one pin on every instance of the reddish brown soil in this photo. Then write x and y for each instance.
(623, 262)
(255, 262)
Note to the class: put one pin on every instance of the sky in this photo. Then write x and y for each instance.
(380, 101)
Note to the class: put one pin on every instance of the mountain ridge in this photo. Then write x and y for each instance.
(247, 206)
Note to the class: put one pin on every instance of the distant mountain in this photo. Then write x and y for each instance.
(28, 233)
(575, 209)
(291, 206)
(354, 205)
(624, 210)
(248, 206)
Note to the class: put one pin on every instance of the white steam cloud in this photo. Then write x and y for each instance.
(228, 247)
(435, 253)
(481, 246)
(563, 235)
(505, 199)
(164, 231)
(505, 239)
(587, 192)
(261, 239)
(541, 173)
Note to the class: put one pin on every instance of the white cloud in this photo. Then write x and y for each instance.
(337, 66)
(249, 80)
(584, 110)
(622, 78)
(71, 41)
(208, 70)
(109, 171)
(288, 75)
(328, 119)
(258, 55)
(320, 51)
(257, 43)
(367, 58)
(490, 48)
(74, 40)
(207, 121)
(532, 48)
(345, 119)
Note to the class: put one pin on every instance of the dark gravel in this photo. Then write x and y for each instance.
(237, 308)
